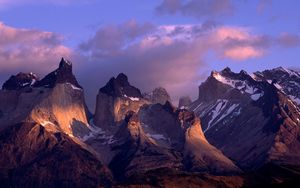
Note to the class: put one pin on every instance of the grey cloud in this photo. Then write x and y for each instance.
(196, 8)
(288, 40)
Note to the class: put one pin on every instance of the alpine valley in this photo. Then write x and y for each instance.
(243, 130)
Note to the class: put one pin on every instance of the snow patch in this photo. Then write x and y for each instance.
(156, 136)
(228, 112)
(295, 99)
(243, 86)
(132, 98)
(94, 132)
(45, 123)
(33, 82)
(74, 87)
(255, 97)
(221, 104)
(253, 76)
(278, 86)
(224, 80)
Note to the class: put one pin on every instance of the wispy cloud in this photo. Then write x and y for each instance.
(9, 3)
(196, 8)
(263, 5)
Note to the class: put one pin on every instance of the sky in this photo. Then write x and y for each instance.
(170, 43)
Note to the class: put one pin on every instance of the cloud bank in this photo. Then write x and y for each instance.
(171, 56)
(29, 50)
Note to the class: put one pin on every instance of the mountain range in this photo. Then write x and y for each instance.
(243, 130)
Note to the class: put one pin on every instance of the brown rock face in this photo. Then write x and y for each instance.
(114, 100)
(31, 156)
(62, 104)
(137, 153)
(181, 130)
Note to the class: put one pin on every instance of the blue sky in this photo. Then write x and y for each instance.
(104, 37)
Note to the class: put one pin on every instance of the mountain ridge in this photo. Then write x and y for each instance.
(242, 125)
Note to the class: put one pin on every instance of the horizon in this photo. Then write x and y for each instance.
(174, 44)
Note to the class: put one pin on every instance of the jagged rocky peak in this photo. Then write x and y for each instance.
(227, 73)
(63, 74)
(226, 70)
(252, 109)
(65, 64)
(120, 87)
(286, 80)
(19, 81)
(184, 102)
(115, 99)
(158, 95)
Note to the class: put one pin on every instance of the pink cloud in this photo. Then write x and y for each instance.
(171, 56)
(242, 53)
(29, 50)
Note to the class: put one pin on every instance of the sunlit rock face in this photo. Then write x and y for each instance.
(43, 124)
(180, 129)
(137, 153)
(202, 156)
(38, 156)
(64, 106)
(57, 99)
(115, 99)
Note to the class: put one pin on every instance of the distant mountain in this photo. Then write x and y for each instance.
(251, 118)
(158, 95)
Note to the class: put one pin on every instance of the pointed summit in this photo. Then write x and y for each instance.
(120, 87)
(65, 65)
(63, 74)
(122, 80)
(226, 70)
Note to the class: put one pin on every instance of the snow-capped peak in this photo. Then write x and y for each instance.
(242, 85)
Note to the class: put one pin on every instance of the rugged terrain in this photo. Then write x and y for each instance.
(242, 131)
(250, 118)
